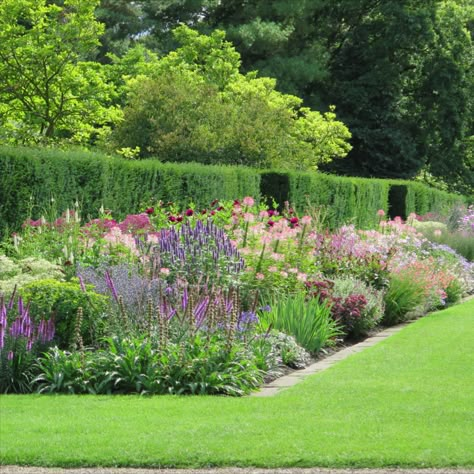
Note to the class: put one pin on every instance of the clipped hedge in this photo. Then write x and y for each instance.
(348, 200)
(30, 176)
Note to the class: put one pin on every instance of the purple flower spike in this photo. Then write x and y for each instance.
(81, 282)
(12, 299)
(184, 301)
(3, 324)
(110, 284)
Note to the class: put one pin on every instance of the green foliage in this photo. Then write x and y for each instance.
(195, 105)
(196, 367)
(354, 200)
(454, 292)
(34, 176)
(309, 322)
(372, 311)
(403, 295)
(290, 353)
(61, 300)
(422, 199)
(400, 73)
(25, 271)
(49, 88)
(16, 366)
(462, 243)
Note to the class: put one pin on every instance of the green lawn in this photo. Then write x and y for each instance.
(408, 401)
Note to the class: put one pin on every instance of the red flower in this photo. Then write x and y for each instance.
(213, 212)
(236, 202)
(220, 208)
(150, 210)
(189, 212)
(294, 221)
(204, 211)
(213, 203)
(179, 218)
(172, 219)
(271, 212)
(270, 223)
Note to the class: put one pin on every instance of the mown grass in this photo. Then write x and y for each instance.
(408, 401)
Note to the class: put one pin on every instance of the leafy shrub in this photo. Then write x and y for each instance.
(61, 300)
(309, 322)
(289, 351)
(404, 295)
(356, 306)
(454, 291)
(22, 272)
(138, 365)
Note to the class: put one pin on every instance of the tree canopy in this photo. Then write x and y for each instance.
(400, 73)
(49, 86)
(194, 105)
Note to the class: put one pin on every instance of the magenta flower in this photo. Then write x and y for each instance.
(135, 222)
(189, 212)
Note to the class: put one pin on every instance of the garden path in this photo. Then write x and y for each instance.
(98, 470)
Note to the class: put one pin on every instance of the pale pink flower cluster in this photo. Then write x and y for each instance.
(115, 236)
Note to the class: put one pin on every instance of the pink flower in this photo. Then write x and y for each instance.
(380, 212)
(259, 276)
(135, 222)
(302, 277)
(249, 217)
(165, 271)
(248, 201)
(154, 238)
(284, 274)
(437, 232)
(272, 269)
(293, 270)
(306, 220)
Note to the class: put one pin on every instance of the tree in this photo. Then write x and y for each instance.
(196, 106)
(379, 63)
(48, 87)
